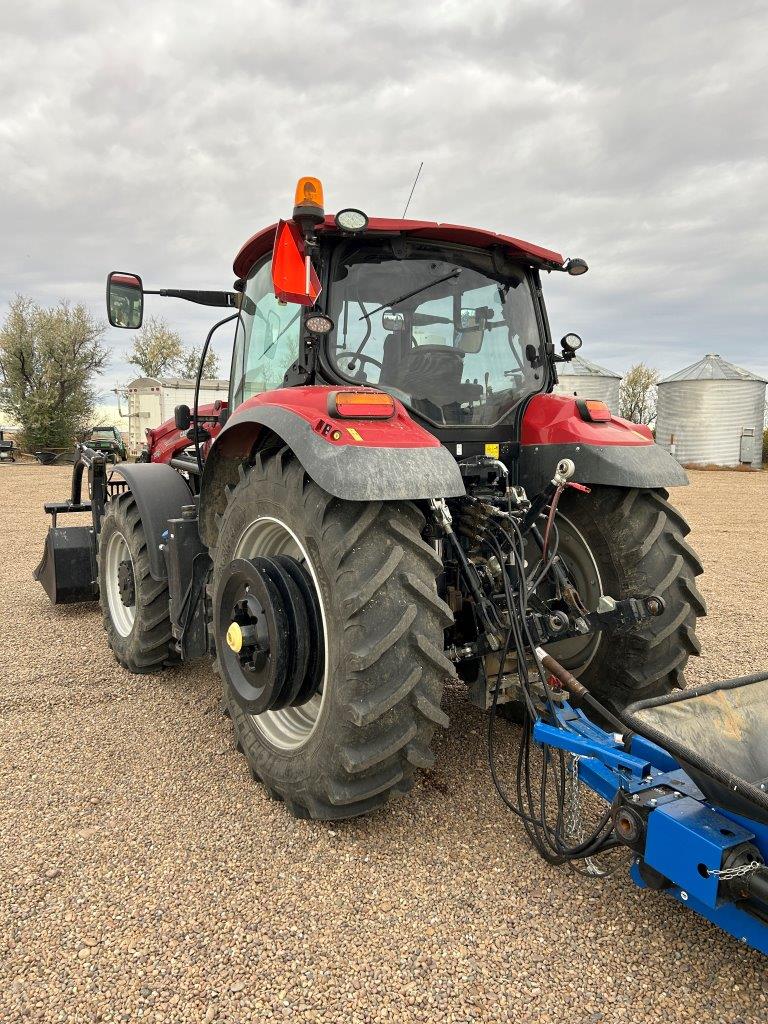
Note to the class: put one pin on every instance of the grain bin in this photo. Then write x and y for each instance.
(588, 380)
(711, 413)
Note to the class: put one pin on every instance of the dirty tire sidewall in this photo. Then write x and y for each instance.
(385, 665)
(147, 648)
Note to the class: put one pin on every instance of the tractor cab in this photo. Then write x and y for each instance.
(458, 340)
(448, 320)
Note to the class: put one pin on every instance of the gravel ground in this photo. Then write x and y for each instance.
(144, 877)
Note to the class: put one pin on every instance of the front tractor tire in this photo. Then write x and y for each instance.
(636, 540)
(369, 723)
(135, 607)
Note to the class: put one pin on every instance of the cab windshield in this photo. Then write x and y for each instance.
(440, 330)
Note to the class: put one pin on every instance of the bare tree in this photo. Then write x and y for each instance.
(47, 361)
(156, 349)
(637, 394)
(190, 360)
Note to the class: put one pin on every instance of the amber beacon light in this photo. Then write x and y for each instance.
(308, 202)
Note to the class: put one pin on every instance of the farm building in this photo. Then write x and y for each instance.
(711, 413)
(152, 400)
(588, 380)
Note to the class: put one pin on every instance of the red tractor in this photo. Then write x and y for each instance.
(392, 497)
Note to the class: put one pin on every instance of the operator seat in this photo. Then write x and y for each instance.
(394, 348)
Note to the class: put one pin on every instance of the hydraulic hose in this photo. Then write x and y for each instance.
(578, 690)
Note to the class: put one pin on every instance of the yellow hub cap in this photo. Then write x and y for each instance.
(235, 638)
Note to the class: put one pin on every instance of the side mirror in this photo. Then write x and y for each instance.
(125, 300)
(182, 417)
(473, 322)
(392, 321)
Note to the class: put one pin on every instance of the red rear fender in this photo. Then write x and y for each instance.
(555, 419)
(310, 404)
(616, 453)
(390, 459)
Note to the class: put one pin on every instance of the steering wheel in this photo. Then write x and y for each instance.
(360, 357)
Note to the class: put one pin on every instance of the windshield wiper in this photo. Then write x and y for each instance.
(409, 295)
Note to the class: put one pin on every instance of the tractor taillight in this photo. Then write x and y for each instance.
(593, 410)
(361, 405)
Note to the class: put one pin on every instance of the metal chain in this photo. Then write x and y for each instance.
(743, 869)
(574, 830)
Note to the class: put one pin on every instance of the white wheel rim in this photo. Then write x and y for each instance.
(117, 551)
(289, 728)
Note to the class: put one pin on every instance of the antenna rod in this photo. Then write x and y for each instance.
(413, 187)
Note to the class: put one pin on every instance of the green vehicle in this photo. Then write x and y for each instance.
(110, 441)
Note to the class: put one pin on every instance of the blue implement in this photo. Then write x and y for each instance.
(699, 830)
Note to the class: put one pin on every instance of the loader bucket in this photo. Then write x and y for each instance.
(67, 570)
(719, 735)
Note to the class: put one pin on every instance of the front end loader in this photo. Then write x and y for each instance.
(393, 498)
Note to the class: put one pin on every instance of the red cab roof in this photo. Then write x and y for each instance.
(261, 243)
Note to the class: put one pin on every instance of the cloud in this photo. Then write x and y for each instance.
(158, 138)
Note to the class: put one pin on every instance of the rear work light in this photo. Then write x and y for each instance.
(361, 405)
(593, 410)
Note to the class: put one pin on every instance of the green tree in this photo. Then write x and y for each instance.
(156, 349)
(47, 361)
(637, 394)
(190, 359)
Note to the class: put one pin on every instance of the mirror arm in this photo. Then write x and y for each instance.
(226, 299)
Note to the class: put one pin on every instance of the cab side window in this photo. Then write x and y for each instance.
(267, 338)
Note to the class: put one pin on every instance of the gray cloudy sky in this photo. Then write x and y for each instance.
(155, 137)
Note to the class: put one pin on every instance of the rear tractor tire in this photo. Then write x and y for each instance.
(135, 608)
(636, 540)
(342, 748)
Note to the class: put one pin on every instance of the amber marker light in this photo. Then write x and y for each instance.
(593, 410)
(361, 405)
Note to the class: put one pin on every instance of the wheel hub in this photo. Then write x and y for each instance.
(126, 583)
(269, 633)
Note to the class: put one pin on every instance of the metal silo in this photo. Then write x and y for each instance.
(588, 380)
(712, 413)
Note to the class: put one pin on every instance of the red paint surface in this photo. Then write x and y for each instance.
(311, 405)
(555, 419)
(262, 242)
(167, 441)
